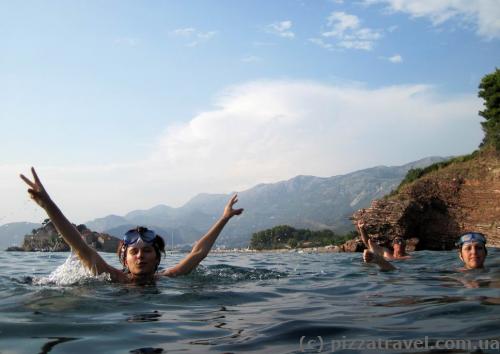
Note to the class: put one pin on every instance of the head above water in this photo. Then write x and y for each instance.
(399, 241)
(472, 249)
(140, 251)
(399, 246)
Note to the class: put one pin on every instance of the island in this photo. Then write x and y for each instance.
(47, 239)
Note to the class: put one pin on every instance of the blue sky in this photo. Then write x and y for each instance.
(125, 104)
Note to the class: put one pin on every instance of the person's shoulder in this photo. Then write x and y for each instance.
(117, 276)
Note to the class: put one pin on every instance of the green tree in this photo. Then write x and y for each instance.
(284, 235)
(489, 90)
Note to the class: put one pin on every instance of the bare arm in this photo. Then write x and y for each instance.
(372, 257)
(90, 258)
(362, 232)
(203, 246)
(372, 246)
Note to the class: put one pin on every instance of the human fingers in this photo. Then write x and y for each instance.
(367, 256)
(27, 181)
(234, 199)
(238, 211)
(35, 176)
(370, 244)
(34, 194)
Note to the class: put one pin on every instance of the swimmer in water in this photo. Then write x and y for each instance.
(472, 250)
(380, 255)
(398, 245)
(139, 251)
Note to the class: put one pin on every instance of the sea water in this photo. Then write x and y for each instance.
(254, 303)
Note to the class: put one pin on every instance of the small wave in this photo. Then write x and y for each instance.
(222, 273)
(71, 272)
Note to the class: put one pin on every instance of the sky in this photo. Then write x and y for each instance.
(123, 105)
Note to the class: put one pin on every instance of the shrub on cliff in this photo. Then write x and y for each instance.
(489, 90)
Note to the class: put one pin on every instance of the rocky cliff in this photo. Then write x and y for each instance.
(433, 210)
(47, 239)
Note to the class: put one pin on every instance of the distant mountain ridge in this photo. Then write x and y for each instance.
(302, 202)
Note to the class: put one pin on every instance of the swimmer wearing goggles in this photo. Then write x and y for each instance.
(472, 249)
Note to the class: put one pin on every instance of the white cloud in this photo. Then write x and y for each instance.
(193, 36)
(322, 43)
(391, 29)
(184, 32)
(266, 131)
(347, 30)
(340, 21)
(282, 29)
(263, 131)
(483, 14)
(396, 59)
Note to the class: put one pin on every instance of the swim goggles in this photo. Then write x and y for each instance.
(471, 237)
(398, 240)
(146, 235)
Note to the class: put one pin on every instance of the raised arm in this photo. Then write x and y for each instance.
(371, 256)
(203, 246)
(372, 246)
(362, 232)
(90, 258)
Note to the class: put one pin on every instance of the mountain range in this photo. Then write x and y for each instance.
(302, 202)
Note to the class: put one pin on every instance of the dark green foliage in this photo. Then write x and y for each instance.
(416, 173)
(489, 90)
(81, 228)
(285, 236)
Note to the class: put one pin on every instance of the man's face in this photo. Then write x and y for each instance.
(141, 260)
(398, 245)
(473, 254)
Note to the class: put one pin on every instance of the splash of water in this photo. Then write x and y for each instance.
(72, 271)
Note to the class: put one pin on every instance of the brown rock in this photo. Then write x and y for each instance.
(431, 212)
(354, 245)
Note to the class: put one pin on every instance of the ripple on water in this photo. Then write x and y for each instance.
(261, 303)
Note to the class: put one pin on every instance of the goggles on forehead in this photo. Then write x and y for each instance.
(471, 237)
(131, 236)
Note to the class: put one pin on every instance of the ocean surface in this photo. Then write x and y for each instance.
(252, 303)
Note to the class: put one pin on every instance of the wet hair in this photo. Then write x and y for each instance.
(158, 245)
(460, 246)
(399, 240)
